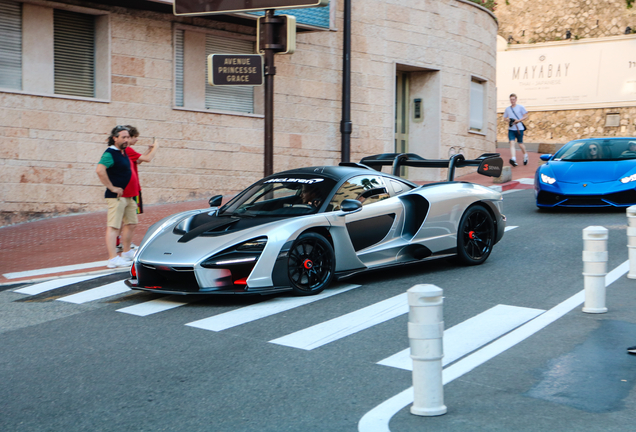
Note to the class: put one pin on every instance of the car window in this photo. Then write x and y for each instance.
(295, 196)
(597, 149)
(399, 187)
(367, 189)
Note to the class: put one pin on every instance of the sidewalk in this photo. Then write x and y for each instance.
(78, 240)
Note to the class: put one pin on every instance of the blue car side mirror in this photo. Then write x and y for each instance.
(545, 157)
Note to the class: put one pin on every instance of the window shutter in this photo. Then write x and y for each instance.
(178, 68)
(10, 45)
(228, 98)
(74, 53)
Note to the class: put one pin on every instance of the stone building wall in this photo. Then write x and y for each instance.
(559, 127)
(49, 145)
(543, 21)
(530, 22)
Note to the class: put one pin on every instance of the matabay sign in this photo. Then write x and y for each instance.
(569, 74)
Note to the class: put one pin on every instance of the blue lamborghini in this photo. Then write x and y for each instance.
(595, 172)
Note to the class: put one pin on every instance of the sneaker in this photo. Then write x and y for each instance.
(513, 162)
(133, 246)
(631, 350)
(525, 159)
(118, 262)
(128, 256)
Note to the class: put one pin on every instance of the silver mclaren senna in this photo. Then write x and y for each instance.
(301, 229)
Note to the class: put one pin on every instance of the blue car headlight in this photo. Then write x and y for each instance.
(547, 179)
(628, 179)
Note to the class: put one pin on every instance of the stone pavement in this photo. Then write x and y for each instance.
(74, 244)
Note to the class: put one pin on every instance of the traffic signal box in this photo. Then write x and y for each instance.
(284, 29)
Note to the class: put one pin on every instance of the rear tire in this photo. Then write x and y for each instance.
(310, 264)
(475, 236)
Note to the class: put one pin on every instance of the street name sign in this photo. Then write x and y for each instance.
(235, 69)
(207, 7)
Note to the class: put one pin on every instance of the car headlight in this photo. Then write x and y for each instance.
(256, 245)
(546, 179)
(628, 179)
(242, 254)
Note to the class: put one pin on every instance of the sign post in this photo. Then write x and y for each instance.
(270, 71)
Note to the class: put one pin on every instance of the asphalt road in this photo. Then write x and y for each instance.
(89, 365)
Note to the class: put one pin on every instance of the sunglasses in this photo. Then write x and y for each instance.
(593, 149)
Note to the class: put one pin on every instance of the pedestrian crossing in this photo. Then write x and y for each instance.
(262, 310)
(459, 340)
(345, 325)
(98, 293)
(472, 334)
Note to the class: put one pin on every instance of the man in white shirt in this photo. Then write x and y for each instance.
(515, 115)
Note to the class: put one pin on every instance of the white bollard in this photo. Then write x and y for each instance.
(631, 241)
(594, 268)
(426, 330)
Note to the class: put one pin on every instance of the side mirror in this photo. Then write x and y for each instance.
(350, 206)
(545, 157)
(216, 200)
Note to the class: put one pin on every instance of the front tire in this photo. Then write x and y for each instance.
(475, 236)
(310, 264)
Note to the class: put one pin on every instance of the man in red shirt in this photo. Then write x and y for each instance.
(137, 158)
(134, 186)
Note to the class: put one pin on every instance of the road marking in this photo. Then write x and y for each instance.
(377, 420)
(508, 228)
(526, 181)
(154, 306)
(53, 284)
(51, 270)
(345, 325)
(471, 334)
(257, 311)
(98, 293)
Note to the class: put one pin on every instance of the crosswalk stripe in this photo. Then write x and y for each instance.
(257, 311)
(54, 284)
(154, 306)
(345, 325)
(472, 334)
(508, 228)
(51, 270)
(96, 293)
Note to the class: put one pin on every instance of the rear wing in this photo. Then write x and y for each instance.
(490, 164)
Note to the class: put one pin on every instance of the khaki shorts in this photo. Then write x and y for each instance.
(121, 209)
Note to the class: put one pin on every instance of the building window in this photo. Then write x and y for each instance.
(74, 53)
(49, 51)
(192, 90)
(228, 98)
(477, 104)
(11, 45)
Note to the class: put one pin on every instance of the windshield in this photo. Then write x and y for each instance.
(598, 149)
(289, 196)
